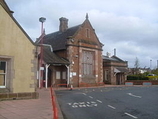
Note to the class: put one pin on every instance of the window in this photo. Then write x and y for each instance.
(57, 74)
(87, 33)
(106, 75)
(3, 74)
(88, 63)
(64, 75)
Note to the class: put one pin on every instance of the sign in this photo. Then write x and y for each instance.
(128, 83)
(147, 83)
(41, 68)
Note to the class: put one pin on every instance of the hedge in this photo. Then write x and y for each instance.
(134, 77)
(137, 77)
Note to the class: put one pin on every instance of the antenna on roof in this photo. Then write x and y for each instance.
(86, 15)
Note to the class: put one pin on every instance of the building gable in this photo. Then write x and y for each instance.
(86, 36)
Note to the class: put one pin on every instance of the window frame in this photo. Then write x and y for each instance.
(4, 74)
(88, 63)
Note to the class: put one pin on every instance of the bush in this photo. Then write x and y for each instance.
(137, 77)
(152, 77)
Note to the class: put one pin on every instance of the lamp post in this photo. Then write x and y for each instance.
(150, 65)
(41, 68)
(157, 64)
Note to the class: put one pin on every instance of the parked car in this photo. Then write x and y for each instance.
(151, 75)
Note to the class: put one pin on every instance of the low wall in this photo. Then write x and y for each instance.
(140, 82)
(18, 96)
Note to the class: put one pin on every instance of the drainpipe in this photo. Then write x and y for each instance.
(68, 74)
(46, 75)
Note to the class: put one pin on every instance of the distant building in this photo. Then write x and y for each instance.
(115, 70)
(18, 65)
(134, 71)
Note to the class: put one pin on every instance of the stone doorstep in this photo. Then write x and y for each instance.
(18, 96)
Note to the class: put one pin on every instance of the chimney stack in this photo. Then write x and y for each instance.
(114, 52)
(63, 24)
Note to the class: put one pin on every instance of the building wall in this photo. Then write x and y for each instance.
(82, 42)
(18, 51)
(112, 77)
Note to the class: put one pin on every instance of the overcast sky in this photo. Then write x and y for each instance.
(130, 26)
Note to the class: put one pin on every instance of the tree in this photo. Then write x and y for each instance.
(136, 65)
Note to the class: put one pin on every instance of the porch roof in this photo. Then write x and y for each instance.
(51, 58)
(120, 69)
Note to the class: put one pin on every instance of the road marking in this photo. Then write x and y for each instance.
(111, 107)
(83, 104)
(99, 101)
(91, 97)
(84, 93)
(131, 115)
(134, 95)
(101, 90)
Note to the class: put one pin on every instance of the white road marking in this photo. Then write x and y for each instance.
(99, 101)
(101, 90)
(131, 115)
(84, 93)
(91, 97)
(111, 107)
(134, 95)
(83, 104)
(69, 103)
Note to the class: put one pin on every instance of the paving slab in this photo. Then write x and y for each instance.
(28, 109)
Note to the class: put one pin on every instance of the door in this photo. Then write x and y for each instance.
(118, 78)
(3, 74)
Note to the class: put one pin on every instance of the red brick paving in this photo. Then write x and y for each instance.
(28, 109)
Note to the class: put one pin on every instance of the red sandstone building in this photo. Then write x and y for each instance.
(76, 58)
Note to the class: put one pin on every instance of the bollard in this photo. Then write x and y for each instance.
(71, 87)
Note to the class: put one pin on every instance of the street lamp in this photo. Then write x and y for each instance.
(41, 68)
(157, 64)
(150, 64)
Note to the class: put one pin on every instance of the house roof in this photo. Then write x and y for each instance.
(58, 39)
(112, 58)
(51, 58)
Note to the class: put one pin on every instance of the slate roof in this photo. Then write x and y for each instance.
(112, 58)
(51, 58)
(58, 39)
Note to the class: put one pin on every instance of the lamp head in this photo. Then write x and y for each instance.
(42, 19)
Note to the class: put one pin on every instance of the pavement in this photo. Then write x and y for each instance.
(28, 109)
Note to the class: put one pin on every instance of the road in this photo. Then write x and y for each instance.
(110, 103)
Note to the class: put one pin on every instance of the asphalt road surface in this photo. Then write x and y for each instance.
(109, 103)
